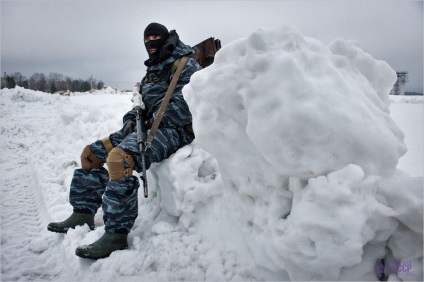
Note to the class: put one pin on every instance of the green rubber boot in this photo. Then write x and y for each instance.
(103, 247)
(74, 220)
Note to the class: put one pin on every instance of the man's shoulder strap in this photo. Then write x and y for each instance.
(180, 65)
(175, 65)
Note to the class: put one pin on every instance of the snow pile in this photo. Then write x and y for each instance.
(302, 107)
(109, 90)
(303, 137)
(104, 91)
(191, 186)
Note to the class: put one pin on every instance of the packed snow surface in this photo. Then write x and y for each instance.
(293, 175)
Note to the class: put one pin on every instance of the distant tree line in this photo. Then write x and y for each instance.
(413, 93)
(52, 83)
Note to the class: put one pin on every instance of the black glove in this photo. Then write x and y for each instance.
(131, 115)
(129, 127)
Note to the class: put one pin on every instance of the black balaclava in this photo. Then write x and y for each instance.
(155, 29)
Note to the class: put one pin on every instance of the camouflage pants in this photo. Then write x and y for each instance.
(91, 189)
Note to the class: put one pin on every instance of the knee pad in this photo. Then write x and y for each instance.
(116, 163)
(107, 144)
(89, 160)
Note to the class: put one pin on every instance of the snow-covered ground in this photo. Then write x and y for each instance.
(408, 112)
(273, 188)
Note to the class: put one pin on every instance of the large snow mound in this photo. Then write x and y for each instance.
(278, 99)
(303, 137)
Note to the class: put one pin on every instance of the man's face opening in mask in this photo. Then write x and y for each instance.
(150, 43)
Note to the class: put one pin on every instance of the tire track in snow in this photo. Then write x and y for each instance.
(28, 250)
(24, 239)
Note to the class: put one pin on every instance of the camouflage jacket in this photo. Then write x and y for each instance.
(155, 84)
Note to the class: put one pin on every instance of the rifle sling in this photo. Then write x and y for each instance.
(166, 99)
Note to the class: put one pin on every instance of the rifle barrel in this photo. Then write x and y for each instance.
(141, 140)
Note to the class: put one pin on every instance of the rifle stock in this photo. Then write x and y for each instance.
(141, 140)
(205, 51)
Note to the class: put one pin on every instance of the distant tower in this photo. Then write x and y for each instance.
(399, 87)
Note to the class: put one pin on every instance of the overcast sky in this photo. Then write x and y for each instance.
(105, 38)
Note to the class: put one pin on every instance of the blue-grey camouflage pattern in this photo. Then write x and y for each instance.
(92, 189)
(87, 188)
(120, 205)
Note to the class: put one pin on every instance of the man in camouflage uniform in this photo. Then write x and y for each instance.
(121, 151)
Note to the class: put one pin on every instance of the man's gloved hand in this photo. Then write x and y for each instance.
(136, 98)
(129, 118)
(129, 127)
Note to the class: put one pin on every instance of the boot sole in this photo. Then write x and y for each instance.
(81, 254)
(53, 229)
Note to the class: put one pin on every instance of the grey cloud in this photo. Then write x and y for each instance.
(81, 38)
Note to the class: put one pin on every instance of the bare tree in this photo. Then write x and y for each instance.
(58, 82)
(19, 79)
(38, 81)
(100, 84)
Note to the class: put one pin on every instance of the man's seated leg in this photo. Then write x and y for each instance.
(87, 188)
(88, 184)
(165, 143)
(120, 206)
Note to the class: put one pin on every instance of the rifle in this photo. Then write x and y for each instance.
(141, 140)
